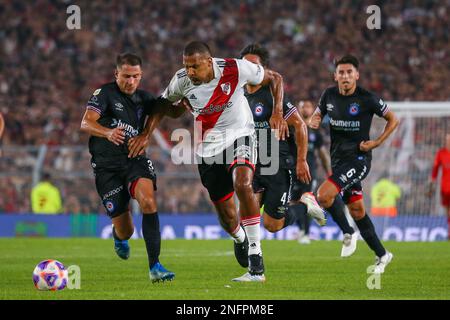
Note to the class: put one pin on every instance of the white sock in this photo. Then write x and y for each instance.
(252, 228)
(238, 234)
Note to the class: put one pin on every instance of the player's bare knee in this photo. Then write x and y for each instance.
(147, 204)
(271, 226)
(243, 186)
(357, 213)
(324, 200)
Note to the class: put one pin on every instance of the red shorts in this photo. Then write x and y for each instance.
(445, 198)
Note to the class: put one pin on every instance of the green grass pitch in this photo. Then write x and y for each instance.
(204, 270)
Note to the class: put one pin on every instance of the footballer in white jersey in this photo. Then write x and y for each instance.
(227, 146)
(219, 106)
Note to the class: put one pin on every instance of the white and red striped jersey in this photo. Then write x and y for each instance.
(219, 105)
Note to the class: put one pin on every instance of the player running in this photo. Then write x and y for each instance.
(115, 117)
(274, 191)
(227, 150)
(351, 109)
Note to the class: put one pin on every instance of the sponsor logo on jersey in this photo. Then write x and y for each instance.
(259, 109)
(262, 125)
(192, 97)
(330, 107)
(111, 193)
(93, 100)
(353, 109)
(343, 124)
(129, 129)
(212, 108)
(226, 88)
(96, 92)
(119, 106)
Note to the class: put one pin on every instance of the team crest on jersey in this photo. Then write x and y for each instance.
(226, 88)
(109, 206)
(353, 109)
(259, 109)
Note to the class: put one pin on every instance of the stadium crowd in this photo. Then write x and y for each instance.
(47, 72)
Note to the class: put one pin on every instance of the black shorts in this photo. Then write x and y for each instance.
(276, 191)
(216, 173)
(299, 188)
(116, 186)
(347, 178)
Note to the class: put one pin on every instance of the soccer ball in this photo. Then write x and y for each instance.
(50, 275)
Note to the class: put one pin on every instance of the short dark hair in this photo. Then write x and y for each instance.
(196, 47)
(259, 50)
(128, 58)
(348, 58)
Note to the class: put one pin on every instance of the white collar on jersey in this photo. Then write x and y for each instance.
(217, 71)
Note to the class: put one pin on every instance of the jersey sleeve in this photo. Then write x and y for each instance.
(322, 106)
(173, 92)
(288, 108)
(98, 101)
(250, 72)
(378, 105)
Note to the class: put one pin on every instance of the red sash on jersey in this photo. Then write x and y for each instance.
(221, 95)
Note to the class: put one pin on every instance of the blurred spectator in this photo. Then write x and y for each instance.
(45, 197)
(384, 196)
(48, 80)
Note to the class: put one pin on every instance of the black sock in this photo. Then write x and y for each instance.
(293, 214)
(307, 223)
(337, 212)
(302, 217)
(368, 233)
(152, 236)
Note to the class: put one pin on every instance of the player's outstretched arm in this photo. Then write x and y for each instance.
(277, 122)
(90, 125)
(301, 139)
(164, 107)
(391, 125)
